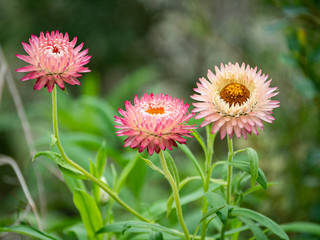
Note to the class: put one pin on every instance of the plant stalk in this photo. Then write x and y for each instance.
(101, 184)
(208, 171)
(229, 180)
(175, 194)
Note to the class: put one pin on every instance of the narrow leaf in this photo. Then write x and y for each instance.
(121, 227)
(246, 167)
(256, 231)
(195, 162)
(151, 165)
(101, 159)
(200, 140)
(89, 212)
(254, 165)
(28, 230)
(263, 220)
(172, 167)
(73, 183)
(95, 187)
(64, 166)
(71, 173)
(211, 212)
(303, 227)
(216, 202)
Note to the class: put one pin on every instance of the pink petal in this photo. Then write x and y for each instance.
(33, 75)
(40, 83)
(28, 68)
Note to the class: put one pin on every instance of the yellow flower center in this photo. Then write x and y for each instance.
(155, 110)
(234, 93)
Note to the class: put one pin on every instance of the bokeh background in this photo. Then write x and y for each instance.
(164, 46)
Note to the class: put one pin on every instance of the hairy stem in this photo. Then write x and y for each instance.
(229, 181)
(208, 162)
(175, 194)
(229, 174)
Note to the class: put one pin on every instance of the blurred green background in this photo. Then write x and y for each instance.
(164, 46)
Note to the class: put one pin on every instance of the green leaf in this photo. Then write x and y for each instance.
(303, 227)
(172, 167)
(64, 166)
(231, 232)
(95, 187)
(169, 204)
(258, 187)
(195, 162)
(89, 211)
(211, 212)
(78, 231)
(73, 183)
(156, 236)
(218, 204)
(121, 227)
(28, 230)
(215, 200)
(151, 165)
(101, 159)
(263, 220)
(254, 165)
(256, 231)
(261, 179)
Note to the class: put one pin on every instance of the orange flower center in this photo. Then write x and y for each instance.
(234, 93)
(55, 49)
(155, 110)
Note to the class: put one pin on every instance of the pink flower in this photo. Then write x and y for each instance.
(155, 122)
(235, 99)
(53, 59)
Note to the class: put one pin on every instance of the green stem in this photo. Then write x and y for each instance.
(208, 169)
(229, 180)
(101, 184)
(229, 174)
(175, 194)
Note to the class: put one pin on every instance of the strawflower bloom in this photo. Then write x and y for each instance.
(236, 99)
(154, 122)
(53, 59)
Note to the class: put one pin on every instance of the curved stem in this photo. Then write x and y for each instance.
(175, 194)
(101, 184)
(209, 154)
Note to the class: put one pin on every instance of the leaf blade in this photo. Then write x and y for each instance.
(89, 212)
(254, 165)
(263, 220)
(28, 230)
